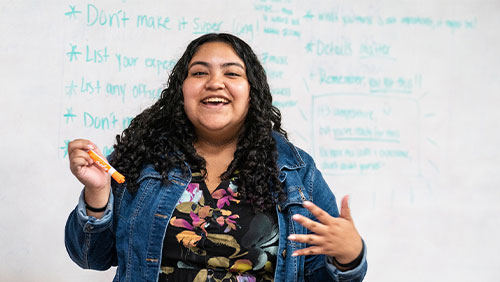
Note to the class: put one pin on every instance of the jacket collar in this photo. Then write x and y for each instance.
(288, 156)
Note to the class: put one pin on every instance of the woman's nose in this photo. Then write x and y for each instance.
(215, 82)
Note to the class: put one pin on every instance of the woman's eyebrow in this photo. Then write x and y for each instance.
(198, 63)
(223, 65)
(233, 64)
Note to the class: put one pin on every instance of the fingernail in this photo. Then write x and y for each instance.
(90, 146)
(306, 203)
(295, 217)
(291, 237)
(294, 254)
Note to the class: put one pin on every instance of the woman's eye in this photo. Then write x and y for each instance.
(198, 73)
(232, 74)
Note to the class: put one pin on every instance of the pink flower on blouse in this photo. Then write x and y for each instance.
(224, 197)
(179, 222)
(197, 221)
(220, 220)
(231, 223)
(246, 278)
(193, 193)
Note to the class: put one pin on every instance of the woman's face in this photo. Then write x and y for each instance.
(216, 90)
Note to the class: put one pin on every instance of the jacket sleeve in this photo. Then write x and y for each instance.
(318, 268)
(90, 242)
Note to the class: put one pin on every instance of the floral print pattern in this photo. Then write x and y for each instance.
(218, 237)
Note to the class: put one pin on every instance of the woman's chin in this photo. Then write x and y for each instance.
(218, 128)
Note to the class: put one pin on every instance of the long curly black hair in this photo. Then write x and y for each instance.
(163, 136)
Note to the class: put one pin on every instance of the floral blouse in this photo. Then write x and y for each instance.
(218, 237)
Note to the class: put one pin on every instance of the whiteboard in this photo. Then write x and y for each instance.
(396, 100)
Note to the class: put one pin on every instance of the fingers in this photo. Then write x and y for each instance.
(345, 211)
(331, 236)
(320, 214)
(78, 156)
(312, 250)
(310, 239)
(80, 144)
(310, 224)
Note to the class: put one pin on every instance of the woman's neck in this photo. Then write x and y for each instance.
(210, 143)
(218, 155)
(210, 147)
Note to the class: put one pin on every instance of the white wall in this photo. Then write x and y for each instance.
(396, 100)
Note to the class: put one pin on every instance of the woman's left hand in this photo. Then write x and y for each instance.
(336, 237)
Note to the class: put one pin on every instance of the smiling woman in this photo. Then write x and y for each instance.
(214, 189)
(216, 93)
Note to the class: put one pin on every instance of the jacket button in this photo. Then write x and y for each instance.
(283, 254)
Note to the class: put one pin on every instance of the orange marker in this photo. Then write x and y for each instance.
(106, 166)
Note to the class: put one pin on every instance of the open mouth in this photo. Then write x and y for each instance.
(215, 101)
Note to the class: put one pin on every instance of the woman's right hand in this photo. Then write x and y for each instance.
(97, 182)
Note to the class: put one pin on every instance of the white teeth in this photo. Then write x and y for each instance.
(216, 100)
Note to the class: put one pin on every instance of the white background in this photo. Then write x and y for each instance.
(396, 100)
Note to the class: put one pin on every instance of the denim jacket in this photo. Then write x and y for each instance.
(131, 232)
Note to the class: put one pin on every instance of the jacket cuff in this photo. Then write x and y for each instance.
(355, 274)
(91, 224)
